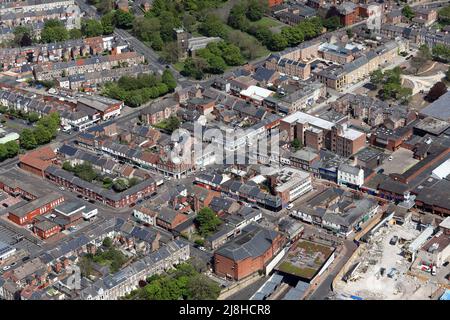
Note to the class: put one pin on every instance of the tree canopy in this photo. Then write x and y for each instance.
(54, 31)
(207, 221)
(183, 282)
(408, 12)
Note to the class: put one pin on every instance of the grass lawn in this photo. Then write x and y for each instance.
(305, 272)
(267, 22)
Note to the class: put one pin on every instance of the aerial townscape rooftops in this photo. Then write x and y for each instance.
(224, 150)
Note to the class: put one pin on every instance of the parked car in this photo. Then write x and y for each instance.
(380, 171)
(382, 271)
(445, 264)
(390, 158)
(425, 268)
(433, 270)
(290, 206)
(393, 241)
(392, 273)
(92, 201)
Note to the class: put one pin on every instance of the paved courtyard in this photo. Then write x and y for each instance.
(402, 160)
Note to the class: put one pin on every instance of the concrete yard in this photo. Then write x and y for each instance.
(402, 160)
(368, 283)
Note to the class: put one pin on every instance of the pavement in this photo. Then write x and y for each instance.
(423, 83)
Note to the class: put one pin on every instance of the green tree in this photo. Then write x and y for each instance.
(232, 55)
(349, 33)
(91, 28)
(213, 27)
(107, 242)
(207, 221)
(120, 185)
(75, 34)
(27, 139)
(377, 77)
(157, 42)
(107, 183)
(104, 6)
(169, 80)
(296, 144)
(332, 23)
(23, 36)
(237, 18)
(12, 148)
(42, 135)
(421, 58)
(108, 23)
(168, 22)
(194, 68)
(50, 122)
(85, 171)
(441, 52)
(3, 152)
(170, 52)
(277, 42)
(408, 12)
(67, 166)
(173, 123)
(124, 19)
(86, 266)
(200, 287)
(33, 117)
(216, 65)
(256, 9)
(444, 15)
(54, 31)
(189, 22)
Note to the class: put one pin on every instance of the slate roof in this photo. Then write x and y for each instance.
(253, 242)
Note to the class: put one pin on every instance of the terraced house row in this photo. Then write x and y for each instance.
(51, 70)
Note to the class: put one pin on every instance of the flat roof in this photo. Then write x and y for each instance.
(70, 207)
(445, 224)
(307, 118)
(256, 92)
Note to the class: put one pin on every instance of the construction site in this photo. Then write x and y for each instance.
(379, 269)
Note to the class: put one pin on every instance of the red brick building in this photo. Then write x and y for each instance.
(159, 111)
(26, 213)
(108, 197)
(345, 142)
(348, 12)
(248, 253)
(46, 229)
(37, 161)
(274, 2)
(169, 219)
